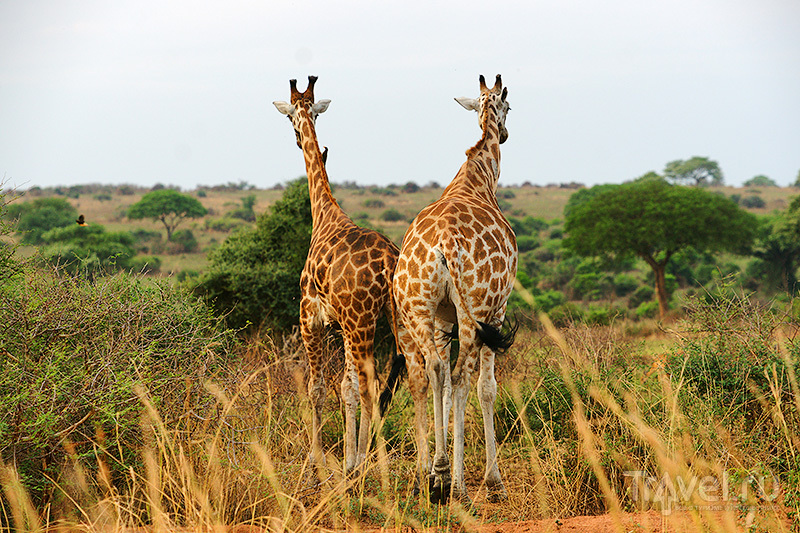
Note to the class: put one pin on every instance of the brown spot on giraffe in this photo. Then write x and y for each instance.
(457, 264)
(346, 280)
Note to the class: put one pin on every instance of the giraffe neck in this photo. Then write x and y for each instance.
(324, 208)
(479, 174)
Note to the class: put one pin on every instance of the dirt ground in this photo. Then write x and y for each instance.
(641, 522)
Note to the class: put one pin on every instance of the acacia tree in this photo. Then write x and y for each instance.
(167, 205)
(653, 220)
(700, 171)
(778, 248)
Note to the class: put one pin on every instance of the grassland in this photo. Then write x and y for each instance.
(143, 411)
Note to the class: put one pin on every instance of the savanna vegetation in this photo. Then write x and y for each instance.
(130, 397)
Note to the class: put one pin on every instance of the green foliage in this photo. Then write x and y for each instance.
(253, 278)
(8, 263)
(526, 243)
(641, 295)
(184, 240)
(88, 249)
(245, 212)
(374, 202)
(527, 226)
(753, 202)
(778, 249)
(392, 215)
(654, 220)
(80, 350)
(760, 181)
(625, 284)
(647, 309)
(167, 205)
(699, 171)
(41, 215)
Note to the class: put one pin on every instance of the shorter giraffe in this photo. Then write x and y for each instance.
(346, 280)
(457, 265)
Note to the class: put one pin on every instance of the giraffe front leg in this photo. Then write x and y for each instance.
(487, 393)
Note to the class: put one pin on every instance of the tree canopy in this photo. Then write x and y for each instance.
(653, 220)
(700, 171)
(36, 217)
(760, 181)
(254, 276)
(169, 206)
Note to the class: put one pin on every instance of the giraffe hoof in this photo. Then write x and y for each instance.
(439, 488)
(496, 493)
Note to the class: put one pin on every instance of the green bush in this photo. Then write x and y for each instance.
(625, 284)
(392, 215)
(184, 241)
(88, 249)
(548, 300)
(753, 202)
(643, 294)
(565, 314)
(81, 350)
(373, 203)
(526, 243)
(647, 309)
(253, 278)
(41, 215)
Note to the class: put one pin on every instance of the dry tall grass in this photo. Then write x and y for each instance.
(588, 421)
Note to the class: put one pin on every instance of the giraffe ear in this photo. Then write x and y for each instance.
(470, 104)
(285, 108)
(321, 106)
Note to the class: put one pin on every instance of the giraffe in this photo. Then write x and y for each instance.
(457, 265)
(346, 280)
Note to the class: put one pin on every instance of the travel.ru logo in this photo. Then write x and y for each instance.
(674, 492)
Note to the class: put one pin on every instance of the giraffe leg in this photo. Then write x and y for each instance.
(418, 386)
(367, 386)
(442, 339)
(467, 358)
(350, 398)
(313, 341)
(487, 393)
(439, 479)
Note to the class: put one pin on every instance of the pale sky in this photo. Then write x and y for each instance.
(180, 92)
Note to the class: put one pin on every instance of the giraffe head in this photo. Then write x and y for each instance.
(490, 99)
(301, 107)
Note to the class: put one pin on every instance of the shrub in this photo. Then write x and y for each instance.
(392, 215)
(184, 241)
(525, 243)
(41, 215)
(565, 314)
(82, 349)
(254, 276)
(625, 284)
(643, 294)
(89, 250)
(410, 188)
(549, 300)
(753, 202)
(647, 309)
(506, 194)
(373, 202)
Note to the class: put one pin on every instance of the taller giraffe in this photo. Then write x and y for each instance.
(457, 265)
(346, 280)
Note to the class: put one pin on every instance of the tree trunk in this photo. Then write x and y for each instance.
(660, 272)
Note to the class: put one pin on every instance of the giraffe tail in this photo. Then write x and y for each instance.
(494, 337)
(392, 382)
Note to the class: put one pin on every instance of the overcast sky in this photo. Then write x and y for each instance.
(180, 92)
